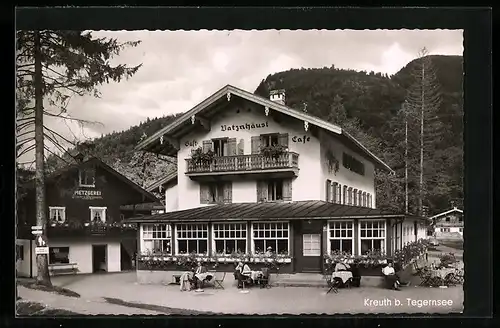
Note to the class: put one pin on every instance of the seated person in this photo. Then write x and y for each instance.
(342, 267)
(185, 281)
(201, 274)
(269, 251)
(390, 275)
(242, 274)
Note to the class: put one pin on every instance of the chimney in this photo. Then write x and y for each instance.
(277, 96)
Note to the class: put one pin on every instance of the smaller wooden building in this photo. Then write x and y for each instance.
(85, 229)
(448, 224)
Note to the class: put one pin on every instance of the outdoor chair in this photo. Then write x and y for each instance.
(263, 281)
(417, 268)
(332, 285)
(218, 282)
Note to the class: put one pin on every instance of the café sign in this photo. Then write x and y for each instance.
(87, 194)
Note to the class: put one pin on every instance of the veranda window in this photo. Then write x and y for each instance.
(372, 236)
(341, 236)
(157, 238)
(229, 238)
(274, 235)
(192, 238)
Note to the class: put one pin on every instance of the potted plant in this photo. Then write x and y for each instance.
(273, 151)
(199, 157)
(332, 162)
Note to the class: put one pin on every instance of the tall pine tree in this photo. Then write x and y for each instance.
(53, 66)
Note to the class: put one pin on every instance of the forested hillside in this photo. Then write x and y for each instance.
(368, 104)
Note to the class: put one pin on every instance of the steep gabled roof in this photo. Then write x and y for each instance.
(229, 91)
(95, 161)
(166, 179)
(311, 209)
(446, 213)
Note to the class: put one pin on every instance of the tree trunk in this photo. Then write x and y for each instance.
(43, 277)
(421, 189)
(406, 160)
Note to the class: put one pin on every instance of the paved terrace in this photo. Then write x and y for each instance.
(276, 300)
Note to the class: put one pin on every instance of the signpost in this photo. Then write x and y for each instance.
(41, 241)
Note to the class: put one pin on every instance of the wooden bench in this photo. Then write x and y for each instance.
(63, 268)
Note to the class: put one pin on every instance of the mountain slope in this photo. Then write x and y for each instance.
(374, 99)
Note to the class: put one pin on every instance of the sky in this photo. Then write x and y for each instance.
(182, 68)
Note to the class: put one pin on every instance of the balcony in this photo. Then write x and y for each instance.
(257, 166)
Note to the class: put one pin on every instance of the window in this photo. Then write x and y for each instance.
(157, 238)
(57, 214)
(274, 235)
(192, 238)
(275, 190)
(364, 199)
(353, 164)
(268, 140)
(328, 190)
(58, 255)
(335, 190)
(339, 193)
(87, 177)
(215, 193)
(447, 219)
(20, 252)
(372, 236)
(344, 192)
(220, 147)
(349, 196)
(341, 236)
(97, 214)
(355, 197)
(369, 198)
(445, 229)
(230, 237)
(311, 244)
(461, 229)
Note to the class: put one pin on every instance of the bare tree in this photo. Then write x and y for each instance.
(53, 66)
(423, 100)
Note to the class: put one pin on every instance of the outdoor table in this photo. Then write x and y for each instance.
(203, 276)
(443, 272)
(254, 275)
(344, 275)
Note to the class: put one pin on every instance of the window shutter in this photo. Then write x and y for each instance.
(231, 147)
(339, 194)
(241, 147)
(255, 144)
(228, 192)
(207, 145)
(344, 194)
(360, 198)
(204, 193)
(327, 189)
(355, 197)
(287, 190)
(349, 193)
(261, 191)
(283, 139)
(334, 192)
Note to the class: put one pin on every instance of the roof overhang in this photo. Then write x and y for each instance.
(166, 140)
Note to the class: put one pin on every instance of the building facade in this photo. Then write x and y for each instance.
(85, 232)
(448, 224)
(253, 173)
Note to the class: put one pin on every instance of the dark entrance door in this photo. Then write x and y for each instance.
(99, 261)
(307, 248)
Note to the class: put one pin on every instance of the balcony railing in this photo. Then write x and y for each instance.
(254, 162)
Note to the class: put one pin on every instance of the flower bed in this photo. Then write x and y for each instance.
(223, 263)
(372, 262)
